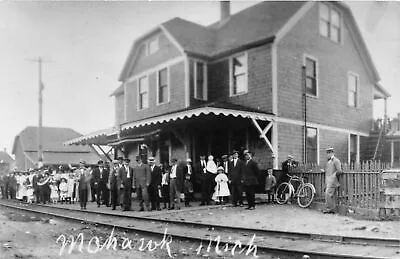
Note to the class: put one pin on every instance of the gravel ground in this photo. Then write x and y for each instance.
(290, 218)
(26, 235)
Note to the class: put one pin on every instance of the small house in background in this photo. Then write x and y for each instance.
(55, 153)
(6, 162)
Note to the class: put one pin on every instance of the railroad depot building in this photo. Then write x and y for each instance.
(188, 89)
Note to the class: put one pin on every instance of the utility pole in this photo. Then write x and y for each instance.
(39, 61)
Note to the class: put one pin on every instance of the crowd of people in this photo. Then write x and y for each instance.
(157, 187)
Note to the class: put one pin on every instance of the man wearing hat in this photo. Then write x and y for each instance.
(100, 178)
(187, 185)
(287, 166)
(201, 177)
(142, 180)
(155, 184)
(332, 170)
(250, 179)
(235, 178)
(127, 175)
(176, 184)
(114, 184)
(85, 177)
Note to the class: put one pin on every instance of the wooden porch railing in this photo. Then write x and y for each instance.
(359, 185)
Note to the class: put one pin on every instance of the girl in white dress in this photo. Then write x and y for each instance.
(63, 190)
(19, 179)
(54, 192)
(221, 189)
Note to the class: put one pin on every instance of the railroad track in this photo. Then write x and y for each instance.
(275, 242)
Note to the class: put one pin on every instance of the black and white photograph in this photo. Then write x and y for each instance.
(199, 129)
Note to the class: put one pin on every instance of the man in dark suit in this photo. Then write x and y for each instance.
(287, 166)
(114, 184)
(100, 175)
(155, 184)
(250, 179)
(142, 180)
(127, 175)
(202, 174)
(235, 177)
(188, 186)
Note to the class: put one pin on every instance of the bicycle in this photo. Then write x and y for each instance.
(305, 192)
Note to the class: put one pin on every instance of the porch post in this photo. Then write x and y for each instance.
(358, 149)
(391, 153)
(229, 141)
(274, 136)
(385, 111)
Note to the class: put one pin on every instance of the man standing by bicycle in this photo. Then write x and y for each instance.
(332, 169)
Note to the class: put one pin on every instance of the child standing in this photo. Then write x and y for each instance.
(165, 186)
(54, 192)
(221, 189)
(63, 190)
(270, 183)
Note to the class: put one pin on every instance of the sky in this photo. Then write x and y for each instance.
(85, 44)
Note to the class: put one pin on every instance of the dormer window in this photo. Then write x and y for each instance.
(152, 46)
(329, 22)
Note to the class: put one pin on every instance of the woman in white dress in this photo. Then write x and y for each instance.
(221, 189)
(19, 179)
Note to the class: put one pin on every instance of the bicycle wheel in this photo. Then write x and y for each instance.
(283, 193)
(306, 195)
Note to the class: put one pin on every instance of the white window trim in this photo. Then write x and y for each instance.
(231, 74)
(155, 38)
(138, 93)
(158, 87)
(351, 73)
(341, 34)
(305, 57)
(205, 91)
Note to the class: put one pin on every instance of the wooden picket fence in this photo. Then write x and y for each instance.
(359, 185)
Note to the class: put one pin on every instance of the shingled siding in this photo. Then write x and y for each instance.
(167, 51)
(259, 95)
(177, 95)
(119, 109)
(291, 142)
(335, 60)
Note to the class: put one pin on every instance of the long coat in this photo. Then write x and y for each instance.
(142, 176)
(123, 172)
(114, 180)
(84, 181)
(250, 173)
(236, 172)
(156, 176)
(180, 176)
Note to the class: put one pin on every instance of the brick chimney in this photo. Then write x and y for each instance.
(225, 10)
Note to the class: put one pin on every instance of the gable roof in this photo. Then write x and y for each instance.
(255, 25)
(5, 158)
(52, 140)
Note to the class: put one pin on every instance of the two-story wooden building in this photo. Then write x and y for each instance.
(277, 78)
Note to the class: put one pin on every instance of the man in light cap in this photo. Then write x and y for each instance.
(332, 169)
(155, 184)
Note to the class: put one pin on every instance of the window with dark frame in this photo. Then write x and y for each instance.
(353, 148)
(163, 95)
(311, 76)
(312, 145)
(143, 93)
(329, 22)
(239, 75)
(353, 90)
(199, 84)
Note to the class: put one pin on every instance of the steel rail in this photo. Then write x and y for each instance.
(389, 242)
(193, 238)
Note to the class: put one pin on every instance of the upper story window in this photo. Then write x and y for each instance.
(163, 88)
(329, 22)
(238, 74)
(199, 80)
(143, 93)
(353, 85)
(152, 46)
(311, 76)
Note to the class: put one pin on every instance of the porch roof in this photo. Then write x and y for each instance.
(216, 108)
(102, 137)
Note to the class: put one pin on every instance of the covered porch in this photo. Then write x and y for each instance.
(214, 128)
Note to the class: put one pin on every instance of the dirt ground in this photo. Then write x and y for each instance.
(291, 218)
(27, 235)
